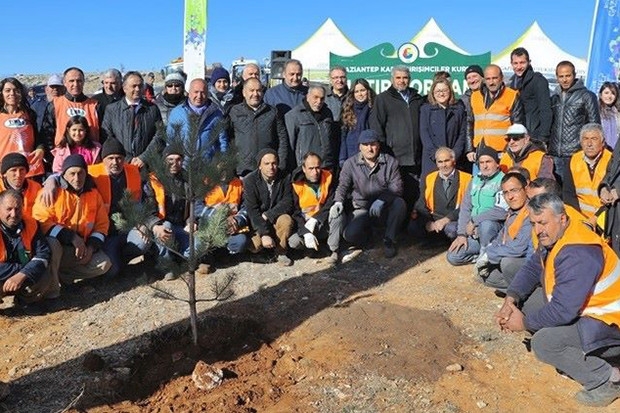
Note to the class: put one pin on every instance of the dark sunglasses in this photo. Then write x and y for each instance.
(515, 137)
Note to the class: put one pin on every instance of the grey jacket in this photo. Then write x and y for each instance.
(306, 134)
(367, 184)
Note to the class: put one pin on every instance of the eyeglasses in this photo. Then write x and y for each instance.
(174, 85)
(515, 137)
(512, 191)
(441, 91)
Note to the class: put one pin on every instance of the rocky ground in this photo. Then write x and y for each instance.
(373, 335)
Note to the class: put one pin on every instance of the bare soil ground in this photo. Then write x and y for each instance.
(372, 335)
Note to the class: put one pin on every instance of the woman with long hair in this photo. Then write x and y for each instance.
(354, 117)
(443, 122)
(18, 126)
(610, 118)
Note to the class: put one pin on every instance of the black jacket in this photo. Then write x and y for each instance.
(398, 124)
(252, 130)
(258, 200)
(137, 136)
(445, 204)
(535, 96)
(577, 107)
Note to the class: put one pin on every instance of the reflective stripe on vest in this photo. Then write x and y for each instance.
(429, 190)
(490, 124)
(586, 187)
(309, 202)
(604, 302)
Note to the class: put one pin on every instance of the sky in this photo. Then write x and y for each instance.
(47, 36)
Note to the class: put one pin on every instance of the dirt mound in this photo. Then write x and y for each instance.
(357, 339)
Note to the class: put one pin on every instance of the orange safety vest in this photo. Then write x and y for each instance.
(571, 213)
(490, 124)
(17, 135)
(429, 190)
(64, 109)
(604, 302)
(84, 214)
(232, 197)
(516, 224)
(30, 195)
(104, 186)
(160, 195)
(532, 163)
(310, 202)
(586, 187)
(27, 235)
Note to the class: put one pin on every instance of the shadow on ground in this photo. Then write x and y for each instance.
(228, 331)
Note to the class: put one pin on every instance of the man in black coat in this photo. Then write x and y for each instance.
(269, 201)
(254, 125)
(533, 90)
(395, 116)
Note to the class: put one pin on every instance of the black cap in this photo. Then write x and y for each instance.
(112, 147)
(474, 69)
(13, 159)
(267, 151)
(368, 136)
(72, 161)
(488, 151)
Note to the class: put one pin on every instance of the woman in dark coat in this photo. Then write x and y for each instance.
(443, 122)
(354, 117)
(609, 192)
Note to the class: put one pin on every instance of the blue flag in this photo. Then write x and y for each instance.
(604, 52)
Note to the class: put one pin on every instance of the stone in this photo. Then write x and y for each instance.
(481, 404)
(206, 377)
(454, 367)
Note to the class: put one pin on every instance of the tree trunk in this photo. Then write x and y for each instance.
(193, 265)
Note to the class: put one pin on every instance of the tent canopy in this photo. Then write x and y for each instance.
(314, 52)
(544, 53)
(431, 32)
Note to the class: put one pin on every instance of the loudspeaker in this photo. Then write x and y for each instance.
(278, 59)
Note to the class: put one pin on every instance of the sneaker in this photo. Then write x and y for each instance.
(284, 261)
(496, 280)
(389, 249)
(170, 276)
(601, 396)
(332, 259)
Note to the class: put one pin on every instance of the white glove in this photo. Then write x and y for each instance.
(375, 208)
(336, 210)
(311, 224)
(310, 241)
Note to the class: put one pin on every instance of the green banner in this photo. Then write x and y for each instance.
(375, 65)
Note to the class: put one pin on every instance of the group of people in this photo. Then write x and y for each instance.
(520, 182)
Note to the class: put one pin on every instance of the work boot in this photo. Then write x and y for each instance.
(602, 396)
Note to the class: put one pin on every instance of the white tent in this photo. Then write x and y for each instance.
(544, 54)
(314, 52)
(432, 33)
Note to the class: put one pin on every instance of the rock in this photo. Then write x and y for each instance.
(206, 377)
(12, 371)
(5, 390)
(93, 362)
(481, 404)
(454, 367)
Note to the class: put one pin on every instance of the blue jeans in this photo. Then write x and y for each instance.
(487, 230)
(122, 248)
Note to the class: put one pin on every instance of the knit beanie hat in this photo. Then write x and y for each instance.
(488, 151)
(219, 73)
(112, 147)
(73, 160)
(266, 151)
(173, 150)
(474, 69)
(13, 159)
